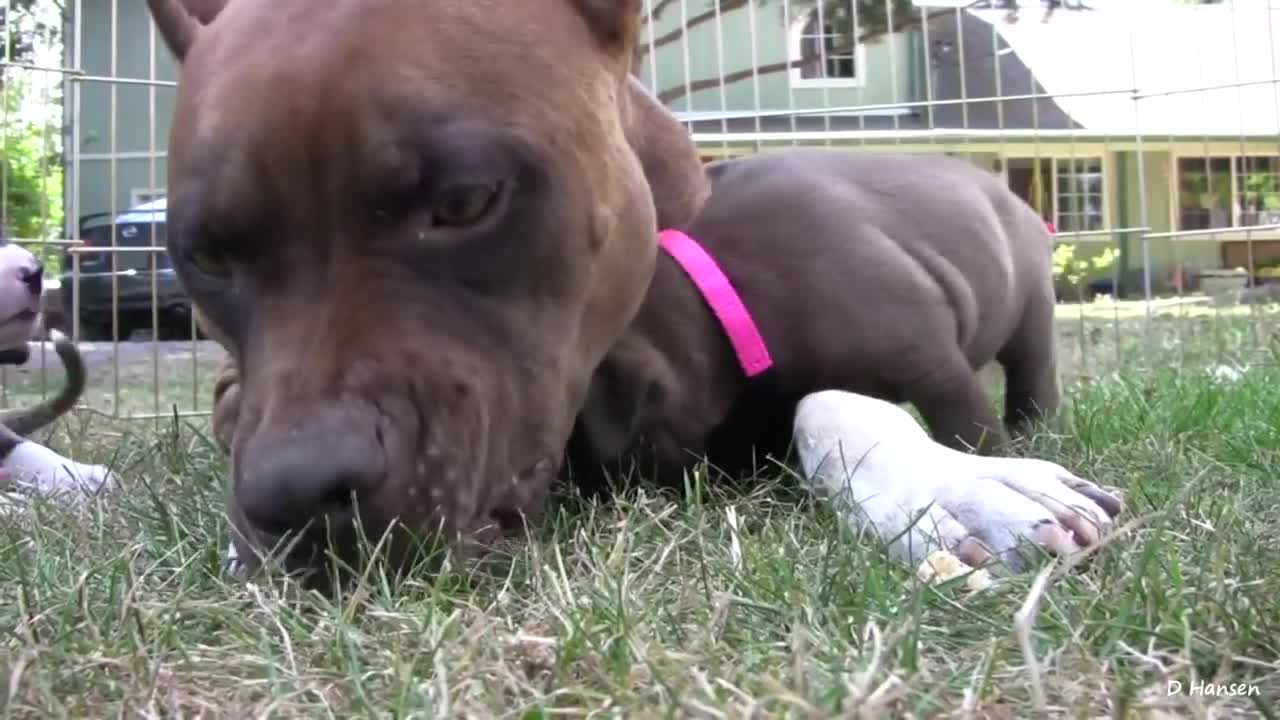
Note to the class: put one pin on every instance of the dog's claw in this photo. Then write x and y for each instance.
(231, 564)
(1056, 539)
(974, 552)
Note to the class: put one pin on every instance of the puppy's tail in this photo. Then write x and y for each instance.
(24, 421)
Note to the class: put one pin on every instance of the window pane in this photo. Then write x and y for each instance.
(841, 67)
(1079, 193)
(1260, 164)
(1204, 193)
(1086, 166)
(825, 44)
(1090, 183)
(1258, 189)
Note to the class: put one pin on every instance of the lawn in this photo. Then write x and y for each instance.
(728, 603)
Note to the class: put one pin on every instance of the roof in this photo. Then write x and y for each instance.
(1200, 70)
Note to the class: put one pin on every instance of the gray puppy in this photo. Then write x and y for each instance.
(892, 276)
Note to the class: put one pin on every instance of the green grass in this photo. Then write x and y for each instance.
(643, 607)
(125, 379)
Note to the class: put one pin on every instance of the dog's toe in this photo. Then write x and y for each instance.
(972, 551)
(1112, 503)
(1055, 538)
(1078, 505)
(1004, 521)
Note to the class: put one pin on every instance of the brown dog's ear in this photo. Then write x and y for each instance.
(615, 22)
(179, 20)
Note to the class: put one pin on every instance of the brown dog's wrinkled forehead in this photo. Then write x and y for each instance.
(548, 65)
(531, 60)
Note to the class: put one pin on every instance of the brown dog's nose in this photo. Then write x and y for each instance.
(310, 475)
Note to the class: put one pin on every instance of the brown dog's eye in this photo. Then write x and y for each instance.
(210, 263)
(463, 205)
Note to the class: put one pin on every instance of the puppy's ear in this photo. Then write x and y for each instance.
(616, 23)
(179, 20)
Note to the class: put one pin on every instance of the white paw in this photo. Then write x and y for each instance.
(34, 469)
(888, 477)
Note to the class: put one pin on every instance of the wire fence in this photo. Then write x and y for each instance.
(1147, 135)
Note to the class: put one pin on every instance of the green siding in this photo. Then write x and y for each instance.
(723, 47)
(135, 127)
(1191, 254)
(134, 173)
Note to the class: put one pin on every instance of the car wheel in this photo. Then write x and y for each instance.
(179, 325)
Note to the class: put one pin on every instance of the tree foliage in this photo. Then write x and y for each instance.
(32, 167)
(25, 26)
(30, 141)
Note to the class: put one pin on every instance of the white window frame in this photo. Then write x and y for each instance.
(137, 196)
(1102, 170)
(1175, 190)
(1053, 160)
(795, 44)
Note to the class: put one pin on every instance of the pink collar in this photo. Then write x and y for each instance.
(753, 354)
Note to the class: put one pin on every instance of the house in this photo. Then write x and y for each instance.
(1150, 126)
(1134, 124)
(118, 111)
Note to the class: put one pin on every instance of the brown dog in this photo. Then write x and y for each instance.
(488, 205)
(891, 276)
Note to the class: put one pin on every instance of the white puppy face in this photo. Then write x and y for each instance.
(21, 290)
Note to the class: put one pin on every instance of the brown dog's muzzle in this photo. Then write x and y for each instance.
(313, 474)
(401, 432)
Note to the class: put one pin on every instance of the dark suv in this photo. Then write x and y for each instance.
(134, 274)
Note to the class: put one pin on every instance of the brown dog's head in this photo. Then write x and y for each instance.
(417, 227)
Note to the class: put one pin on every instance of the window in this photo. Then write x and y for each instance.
(1067, 191)
(1258, 190)
(1226, 191)
(823, 48)
(1078, 200)
(138, 196)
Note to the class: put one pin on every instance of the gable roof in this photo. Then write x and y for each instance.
(1200, 71)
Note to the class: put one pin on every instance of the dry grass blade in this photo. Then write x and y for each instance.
(728, 603)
